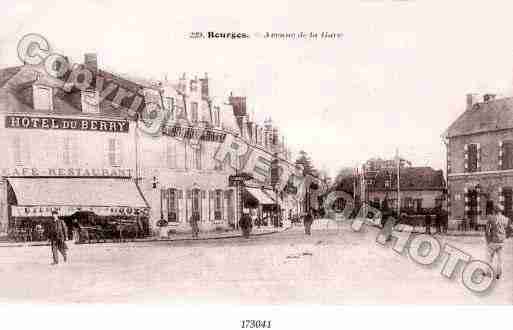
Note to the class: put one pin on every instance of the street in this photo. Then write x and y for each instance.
(333, 266)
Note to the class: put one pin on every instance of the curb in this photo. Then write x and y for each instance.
(17, 244)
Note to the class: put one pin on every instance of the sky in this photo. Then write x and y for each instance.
(394, 81)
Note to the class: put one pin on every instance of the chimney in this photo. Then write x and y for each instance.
(91, 61)
(488, 97)
(471, 100)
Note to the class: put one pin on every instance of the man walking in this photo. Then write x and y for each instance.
(245, 224)
(57, 237)
(495, 234)
(308, 220)
(195, 218)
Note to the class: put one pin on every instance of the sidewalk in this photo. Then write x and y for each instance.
(175, 237)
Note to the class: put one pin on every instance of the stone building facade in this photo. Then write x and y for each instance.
(63, 150)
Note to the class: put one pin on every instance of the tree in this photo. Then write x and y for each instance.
(306, 162)
(378, 164)
(345, 180)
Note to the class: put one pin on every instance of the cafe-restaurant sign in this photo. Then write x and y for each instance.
(46, 211)
(56, 123)
(65, 172)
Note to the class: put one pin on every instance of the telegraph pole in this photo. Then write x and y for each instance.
(398, 183)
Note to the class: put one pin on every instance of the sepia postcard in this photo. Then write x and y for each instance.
(229, 153)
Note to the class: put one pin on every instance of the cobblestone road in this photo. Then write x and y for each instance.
(334, 265)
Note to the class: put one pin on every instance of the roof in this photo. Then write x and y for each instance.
(20, 87)
(483, 117)
(7, 73)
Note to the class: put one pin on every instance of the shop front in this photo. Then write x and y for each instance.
(260, 205)
(92, 208)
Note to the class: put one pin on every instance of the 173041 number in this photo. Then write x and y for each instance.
(255, 324)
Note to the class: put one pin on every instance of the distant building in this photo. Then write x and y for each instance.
(480, 159)
(420, 188)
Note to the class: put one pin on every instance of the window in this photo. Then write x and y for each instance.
(69, 152)
(43, 98)
(472, 160)
(418, 205)
(172, 209)
(408, 203)
(197, 158)
(507, 155)
(90, 101)
(171, 158)
(196, 202)
(218, 204)
(194, 112)
(217, 115)
(16, 147)
(169, 104)
(114, 152)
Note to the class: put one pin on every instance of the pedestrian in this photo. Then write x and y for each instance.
(445, 221)
(308, 220)
(427, 223)
(495, 234)
(438, 220)
(195, 218)
(57, 237)
(245, 224)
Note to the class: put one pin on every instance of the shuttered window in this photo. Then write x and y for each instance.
(172, 206)
(507, 155)
(218, 205)
(472, 157)
(114, 152)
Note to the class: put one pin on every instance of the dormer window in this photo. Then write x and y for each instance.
(43, 98)
(90, 101)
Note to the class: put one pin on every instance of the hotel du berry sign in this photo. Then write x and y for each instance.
(50, 123)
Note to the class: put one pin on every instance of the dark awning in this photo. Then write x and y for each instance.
(260, 196)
